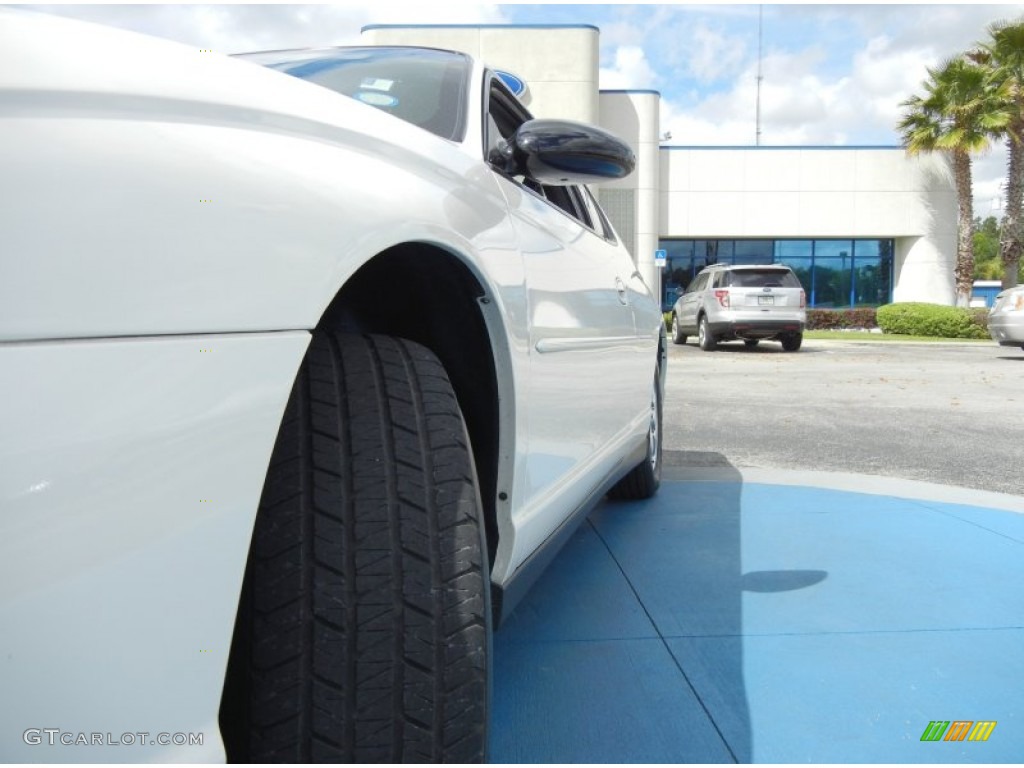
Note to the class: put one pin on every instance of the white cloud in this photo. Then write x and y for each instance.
(795, 109)
(712, 127)
(711, 54)
(989, 171)
(631, 70)
(234, 28)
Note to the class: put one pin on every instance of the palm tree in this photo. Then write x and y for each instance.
(1004, 55)
(958, 114)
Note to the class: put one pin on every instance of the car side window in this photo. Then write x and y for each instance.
(567, 199)
(601, 225)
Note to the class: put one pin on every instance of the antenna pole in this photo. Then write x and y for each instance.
(760, 77)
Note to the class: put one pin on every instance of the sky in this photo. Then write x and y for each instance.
(831, 75)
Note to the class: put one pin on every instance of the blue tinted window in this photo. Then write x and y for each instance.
(753, 252)
(834, 273)
(798, 255)
(872, 272)
(833, 249)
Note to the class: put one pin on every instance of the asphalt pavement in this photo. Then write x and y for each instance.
(949, 413)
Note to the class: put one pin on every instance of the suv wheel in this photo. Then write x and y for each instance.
(678, 337)
(705, 338)
(791, 342)
(364, 624)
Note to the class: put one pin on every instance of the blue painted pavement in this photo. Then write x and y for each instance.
(736, 621)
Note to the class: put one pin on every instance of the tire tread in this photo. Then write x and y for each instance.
(381, 566)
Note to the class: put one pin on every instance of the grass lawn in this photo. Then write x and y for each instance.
(884, 337)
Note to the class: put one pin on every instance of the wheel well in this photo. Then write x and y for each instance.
(427, 295)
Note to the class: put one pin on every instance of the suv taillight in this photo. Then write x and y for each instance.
(723, 298)
(803, 299)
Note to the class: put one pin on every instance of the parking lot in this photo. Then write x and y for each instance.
(950, 413)
(831, 568)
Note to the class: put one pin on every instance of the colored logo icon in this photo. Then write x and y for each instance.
(958, 730)
(515, 83)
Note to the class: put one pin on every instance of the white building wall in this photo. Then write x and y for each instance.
(634, 116)
(804, 193)
(558, 63)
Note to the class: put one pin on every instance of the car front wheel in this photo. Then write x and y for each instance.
(705, 338)
(643, 480)
(364, 628)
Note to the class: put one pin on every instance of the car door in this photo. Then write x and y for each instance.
(689, 303)
(588, 379)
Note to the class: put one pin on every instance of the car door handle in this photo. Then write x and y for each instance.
(620, 287)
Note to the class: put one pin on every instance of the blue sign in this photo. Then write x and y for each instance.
(514, 83)
(661, 258)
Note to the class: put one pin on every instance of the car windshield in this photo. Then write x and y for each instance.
(762, 278)
(422, 86)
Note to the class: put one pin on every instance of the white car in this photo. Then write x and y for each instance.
(304, 375)
(752, 302)
(1006, 318)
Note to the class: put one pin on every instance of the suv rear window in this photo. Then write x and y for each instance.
(761, 278)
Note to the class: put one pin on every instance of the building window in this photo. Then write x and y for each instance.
(872, 275)
(753, 252)
(833, 270)
(835, 273)
(798, 255)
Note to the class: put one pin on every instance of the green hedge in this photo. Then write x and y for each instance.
(837, 319)
(909, 318)
(826, 319)
(919, 319)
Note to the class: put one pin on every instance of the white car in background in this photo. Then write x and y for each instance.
(304, 375)
(1006, 318)
(750, 302)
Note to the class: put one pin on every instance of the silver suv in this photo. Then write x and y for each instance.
(741, 301)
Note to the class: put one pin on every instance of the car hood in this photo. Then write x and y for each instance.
(71, 68)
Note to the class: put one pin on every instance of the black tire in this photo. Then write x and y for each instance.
(705, 338)
(364, 628)
(791, 342)
(643, 480)
(677, 336)
(751, 343)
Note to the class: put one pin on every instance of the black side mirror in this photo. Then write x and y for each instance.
(560, 152)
